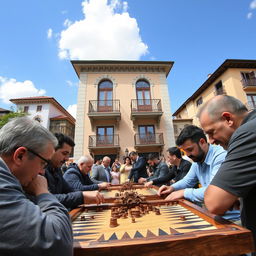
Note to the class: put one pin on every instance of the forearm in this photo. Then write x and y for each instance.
(195, 194)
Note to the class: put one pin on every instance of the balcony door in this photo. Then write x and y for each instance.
(105, 96)
(105, 136)
(251, 98)
(143, 96)
(147, 134)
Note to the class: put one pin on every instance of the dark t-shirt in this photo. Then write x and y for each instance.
(237, 174)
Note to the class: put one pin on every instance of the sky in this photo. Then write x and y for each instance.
(38, 38)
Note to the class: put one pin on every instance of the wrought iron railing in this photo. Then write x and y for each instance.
(149, 139)
(248, 82)
(144, 105)
(103, 141)
(96, 106)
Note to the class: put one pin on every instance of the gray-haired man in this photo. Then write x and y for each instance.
(26, 228)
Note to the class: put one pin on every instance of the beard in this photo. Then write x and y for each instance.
(199, 157)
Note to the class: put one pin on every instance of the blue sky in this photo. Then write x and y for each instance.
(38, 39)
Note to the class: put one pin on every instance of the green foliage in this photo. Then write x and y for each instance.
(5, 118)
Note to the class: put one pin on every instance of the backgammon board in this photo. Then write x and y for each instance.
(135, 221)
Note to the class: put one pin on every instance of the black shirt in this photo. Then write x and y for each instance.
(237, 174)
(60, 188)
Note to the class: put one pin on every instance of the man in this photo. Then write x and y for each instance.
(25, 228)
(228, 123)
(58, 186)
(139, 169)
(101, 173)
(207, 160)
(180, 166)
(77, 175)
(160, 172)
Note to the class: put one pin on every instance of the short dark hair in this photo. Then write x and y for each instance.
(133, 153)
(174, 151)
(190, 132)
(153, 156)
(62, 138)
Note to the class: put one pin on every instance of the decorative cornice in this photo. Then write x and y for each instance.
(107, 66)
(103, 68)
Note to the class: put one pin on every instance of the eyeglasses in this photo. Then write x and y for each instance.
(42, 158)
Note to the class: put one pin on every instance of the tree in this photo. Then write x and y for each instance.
(5, 118)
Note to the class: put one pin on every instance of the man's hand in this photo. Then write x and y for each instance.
(103, 185)
(91, 197)
(175, 195)
(142, 180)
(148, 184)
(37, 186)
(163, 190)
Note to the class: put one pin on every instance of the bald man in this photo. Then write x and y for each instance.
(101, 173)
(77, 176)
(227, 122)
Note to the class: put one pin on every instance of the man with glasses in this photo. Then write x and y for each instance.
(29, 228)
(56, 183)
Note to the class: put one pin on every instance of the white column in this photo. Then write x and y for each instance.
(167, 114)
(80, 117)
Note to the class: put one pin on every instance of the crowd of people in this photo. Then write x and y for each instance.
(37, 192)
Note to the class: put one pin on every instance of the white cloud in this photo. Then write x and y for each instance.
(67, 23)
(249, 15)
(71, 84)
(253, 4)
(49, 33)
(72, 110)
(10, 88)
(106, 32)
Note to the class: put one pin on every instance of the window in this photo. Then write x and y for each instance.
(219, 88)
(105, 96)
(147, 134)
(143, 95)
(105, 135)
(251, 98)
(248, 78)
(25, 110)
(175, 128)
(199, 102)
(39, 108)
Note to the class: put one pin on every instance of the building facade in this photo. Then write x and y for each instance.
(236, 78)
(122, 106)
(48, 112)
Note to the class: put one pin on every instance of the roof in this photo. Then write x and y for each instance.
(2, 110)
(121, 65)
(228, 63)
(44, 99)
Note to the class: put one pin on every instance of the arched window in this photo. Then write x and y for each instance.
(105, 95)
(143, 94)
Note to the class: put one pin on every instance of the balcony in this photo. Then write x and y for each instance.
(148, 140)
(104, 109)
(103, 142)
(249, 84)
(146, 109)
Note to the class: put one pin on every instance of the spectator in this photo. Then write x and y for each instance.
(77, 176)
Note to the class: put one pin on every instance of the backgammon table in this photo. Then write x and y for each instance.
(136, 221)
